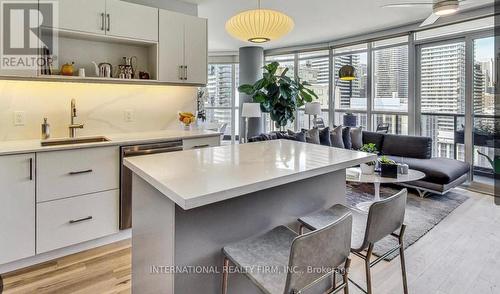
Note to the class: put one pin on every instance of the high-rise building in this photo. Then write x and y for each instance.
(219, 87)
(442, 90)
(391, 74)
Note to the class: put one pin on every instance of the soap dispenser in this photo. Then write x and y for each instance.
(45, 129)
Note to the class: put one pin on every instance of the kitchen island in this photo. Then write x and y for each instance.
(188, 205)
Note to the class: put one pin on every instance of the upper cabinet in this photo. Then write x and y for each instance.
(130, 20)
(110, 17)
(82, 15)
(182, 48)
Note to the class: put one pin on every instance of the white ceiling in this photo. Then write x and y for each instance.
(315, 20)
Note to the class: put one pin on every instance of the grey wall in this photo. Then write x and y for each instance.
(251, 63)
(173, 5)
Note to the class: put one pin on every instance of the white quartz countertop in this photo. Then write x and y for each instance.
(27, 146)
(194, 178)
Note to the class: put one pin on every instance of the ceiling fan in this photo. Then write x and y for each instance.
(439, 8)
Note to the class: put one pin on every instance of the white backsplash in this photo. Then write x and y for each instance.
(100, 107)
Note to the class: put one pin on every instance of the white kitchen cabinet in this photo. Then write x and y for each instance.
(68, 173)
(17, 207)
(82, 15)
(195, 49)
(65, 222)
(111, 17)
(198, 143)
(182, 48)
(171, 46)
(129, 20)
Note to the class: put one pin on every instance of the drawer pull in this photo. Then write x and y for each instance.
(74, 221)
(80, 172)
(201, 146)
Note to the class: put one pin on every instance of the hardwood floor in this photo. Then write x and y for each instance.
(460, 255)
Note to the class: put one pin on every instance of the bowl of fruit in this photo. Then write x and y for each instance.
(187, 118)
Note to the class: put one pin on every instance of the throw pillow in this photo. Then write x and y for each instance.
(324, 137)
(357, 138)
(301, 137)
(336, 137)
(312, 135)
(346, 137)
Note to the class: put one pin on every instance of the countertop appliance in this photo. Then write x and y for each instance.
(126, 174)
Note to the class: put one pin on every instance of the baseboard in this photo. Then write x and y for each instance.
(15, 265)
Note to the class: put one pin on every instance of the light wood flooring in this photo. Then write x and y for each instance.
(460, 255)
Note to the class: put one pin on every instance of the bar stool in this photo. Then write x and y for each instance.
(384, 218)
(283, 249)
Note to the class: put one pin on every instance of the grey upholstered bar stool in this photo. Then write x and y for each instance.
(282, 248)
(385, 217)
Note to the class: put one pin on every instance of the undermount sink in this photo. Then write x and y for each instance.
(71, 141)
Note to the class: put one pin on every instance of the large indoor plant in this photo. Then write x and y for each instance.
(279, 95)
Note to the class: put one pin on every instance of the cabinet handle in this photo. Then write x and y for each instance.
(185, 72)
(201, 146)
(74, 221)
(31, 169)
(181, 75)
(80, 172)
(103, 21)
(109, 21)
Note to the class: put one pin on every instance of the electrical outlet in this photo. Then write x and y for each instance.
(19, 118)
(129, 115)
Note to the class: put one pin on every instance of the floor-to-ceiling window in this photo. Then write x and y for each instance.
(455, 93)
(351, 96)
(390, 84)
(314, 68)
(222, 103)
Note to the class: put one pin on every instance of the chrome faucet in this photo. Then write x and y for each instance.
(72, 127)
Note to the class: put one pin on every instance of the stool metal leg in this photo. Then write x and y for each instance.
(402, 257)
(225, 273)
(345, 276)
(367, 268)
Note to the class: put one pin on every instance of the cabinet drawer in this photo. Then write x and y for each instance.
(74, 220)
(62, 174)
(200, 142)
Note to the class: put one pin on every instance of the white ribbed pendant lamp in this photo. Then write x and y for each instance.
(259, 25)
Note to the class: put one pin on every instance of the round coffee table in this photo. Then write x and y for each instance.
(376, 180)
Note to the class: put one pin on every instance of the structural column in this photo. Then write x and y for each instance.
(251, 63)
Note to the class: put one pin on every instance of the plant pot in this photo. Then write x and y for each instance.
(389, 170)
(367, 169)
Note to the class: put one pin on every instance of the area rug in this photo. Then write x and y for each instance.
(422, 214)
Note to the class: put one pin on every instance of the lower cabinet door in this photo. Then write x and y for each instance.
(17, 207)
(65, 222)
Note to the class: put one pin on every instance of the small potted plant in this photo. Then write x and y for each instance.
(369, 167)
(388, 167)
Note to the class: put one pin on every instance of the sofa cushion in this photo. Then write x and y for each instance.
(300, 136)
(312, 135)
(263, 137)
(375, 138)
(356, 138)
(324, 137)
(346, 137)
(437, 170)
(407, 146)
(336, 137)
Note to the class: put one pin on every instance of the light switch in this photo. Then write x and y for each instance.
(19, 118)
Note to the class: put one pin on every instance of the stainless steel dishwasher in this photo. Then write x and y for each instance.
(126, 174)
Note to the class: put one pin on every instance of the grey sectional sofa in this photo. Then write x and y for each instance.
(442, 174)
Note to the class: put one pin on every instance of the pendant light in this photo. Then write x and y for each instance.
(347, 73)
(259, 25)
